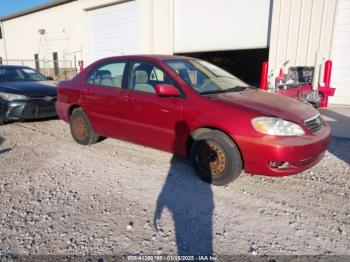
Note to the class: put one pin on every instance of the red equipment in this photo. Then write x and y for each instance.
(264, 74)
(281, 74)
(326, 90)
(302, 91)
(81, 65)
(327, 73)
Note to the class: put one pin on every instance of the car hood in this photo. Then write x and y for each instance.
(30, 88)
(269, 104)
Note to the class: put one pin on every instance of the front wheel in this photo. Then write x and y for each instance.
(81, 128)
(216, 158)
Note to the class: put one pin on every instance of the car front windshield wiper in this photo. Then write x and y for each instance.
(232, 89)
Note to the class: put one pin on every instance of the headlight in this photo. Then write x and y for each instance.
(276, 127)
(11, 97)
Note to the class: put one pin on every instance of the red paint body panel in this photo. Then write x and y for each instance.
(166, 123)
(106, 108)
(302, 152)
(151, 120)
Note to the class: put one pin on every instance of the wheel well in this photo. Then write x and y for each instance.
(71, 110)
(195, 134)
(202, 130)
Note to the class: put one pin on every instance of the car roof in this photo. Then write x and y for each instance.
(166, 57)
(155, 57)
(13, 66)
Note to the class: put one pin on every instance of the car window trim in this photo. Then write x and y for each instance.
(133, 61)
(106, 63)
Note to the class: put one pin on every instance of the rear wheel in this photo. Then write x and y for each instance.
(216, 158)
(81, 128)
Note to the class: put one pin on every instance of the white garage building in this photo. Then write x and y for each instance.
(238, 35)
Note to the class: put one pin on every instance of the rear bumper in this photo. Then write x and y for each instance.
(301, 153)
(23, 110)
(62, 110)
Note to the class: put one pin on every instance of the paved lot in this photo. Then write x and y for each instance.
(338, 117)
(61, 198)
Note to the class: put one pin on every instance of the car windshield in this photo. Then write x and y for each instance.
(18, 74)
(206, 78)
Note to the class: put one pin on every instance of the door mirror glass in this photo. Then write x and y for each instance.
(167, 90)
(49, 78)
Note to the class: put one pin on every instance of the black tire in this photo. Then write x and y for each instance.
(2, 116)
(81, 129)
(216, 158)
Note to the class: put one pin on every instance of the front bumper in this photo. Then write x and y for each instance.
(23, 110)
(301, 153)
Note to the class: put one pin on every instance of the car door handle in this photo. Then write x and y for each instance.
(127, 98)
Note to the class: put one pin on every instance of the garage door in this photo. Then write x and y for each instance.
(208, 25)
(341, 55)
(113, 30)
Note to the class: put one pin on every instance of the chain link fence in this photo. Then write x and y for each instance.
(57, 69)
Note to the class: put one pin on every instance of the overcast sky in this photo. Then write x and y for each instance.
(8, 7)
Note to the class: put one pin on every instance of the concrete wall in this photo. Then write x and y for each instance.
(66, 30)
(208, 25)
(299, 29)
(2, 43)
(341, 55)
(156, 26)
(295, 29)
(62, 33)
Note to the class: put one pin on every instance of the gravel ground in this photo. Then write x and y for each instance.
(58, 197)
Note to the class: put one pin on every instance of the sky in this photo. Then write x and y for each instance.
(8, 7)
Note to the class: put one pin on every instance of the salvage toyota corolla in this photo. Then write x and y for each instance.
(194, 109)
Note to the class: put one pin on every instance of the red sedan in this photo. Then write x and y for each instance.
(194, 109)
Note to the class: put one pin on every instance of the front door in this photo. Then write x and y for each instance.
(151, 120)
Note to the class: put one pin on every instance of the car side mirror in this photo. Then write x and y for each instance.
(167, 90)
(49, 78)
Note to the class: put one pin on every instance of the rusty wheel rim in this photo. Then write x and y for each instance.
(211, 158)
(79, 128)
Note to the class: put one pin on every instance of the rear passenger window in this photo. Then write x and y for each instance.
(110, 74)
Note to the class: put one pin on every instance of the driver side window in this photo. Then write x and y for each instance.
(144, 76)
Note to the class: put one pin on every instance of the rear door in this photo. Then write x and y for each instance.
(104, 98)
(151, 120)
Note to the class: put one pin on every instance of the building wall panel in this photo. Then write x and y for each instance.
(113, 30)
(341, 55)
(207, 25)
(67, 31)
(299, 29)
